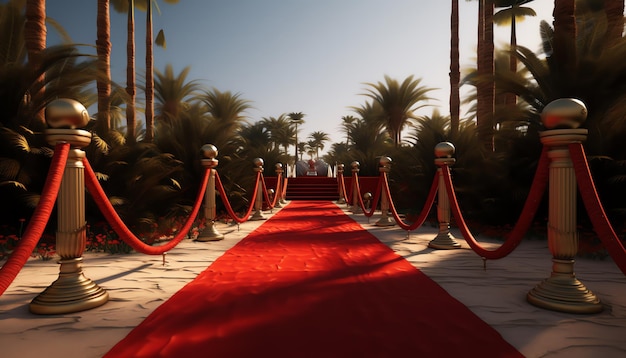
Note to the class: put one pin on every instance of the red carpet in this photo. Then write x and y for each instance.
(310, 282)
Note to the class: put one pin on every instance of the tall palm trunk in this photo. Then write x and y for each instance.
(130, 74)
(103, 48)
(565, 36)
(614, 10)
(455, 73)
(35, 35)
(149, 76)
(510, 98)
(485, 87)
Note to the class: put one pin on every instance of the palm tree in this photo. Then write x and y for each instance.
(302, 148)
(35, 38)
(149, 85)
(310, 148)
(317, 139)
(508, 16)
(226, 111)
(485, 89)
(296, 118)
(128, 7)
(346, 124)
(455, 72)
(103, 49)
(173, 93)
(614, 10)
(398, 102)
(564, 42)
(281, 132)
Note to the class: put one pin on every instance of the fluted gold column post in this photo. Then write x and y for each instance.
(444, 239)
(210, 232)
(72, 291)
(385, 220)
(355, 208)
(279, 185)
(258, 203)
(562, 291)
(342, 195)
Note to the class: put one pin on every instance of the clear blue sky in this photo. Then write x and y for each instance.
(310, 56)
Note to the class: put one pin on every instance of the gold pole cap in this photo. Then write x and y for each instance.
(209, 151)
(564, 113)
(384, 161)
(258, 162)
(66, 113)
(444, 150)
(355, 165)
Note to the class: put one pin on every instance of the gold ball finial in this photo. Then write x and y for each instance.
(384, 161)
(444, 150)
(355, 164)
(66, 113)
(367, 196)
(278, 166)
(564, 113)
(258, 162)
(209, 151)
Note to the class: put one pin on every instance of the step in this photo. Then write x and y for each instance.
(312, 188)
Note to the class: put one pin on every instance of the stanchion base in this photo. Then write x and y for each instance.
(71, 292)
(444, 241)
(385, 221)
(341, 201)
(209, 233)
(258, 215)
(356, 210)
(564, 293)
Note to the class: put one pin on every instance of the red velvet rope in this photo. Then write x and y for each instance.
(38, 221)
(523, 222)
(425, 210)
(342, 182)
(594, 207)
(270, 203)
(374, 199)
(348, 193)
(120, 228)
(229, 208)
(284, 188)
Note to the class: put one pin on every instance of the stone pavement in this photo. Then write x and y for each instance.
(138, 283)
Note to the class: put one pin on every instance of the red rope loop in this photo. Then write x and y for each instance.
(374, 199)
(96, 191)
(594, 207)
(284, 187)
(531, 205)
(345, 194)
(227, 204)
(38, 221)
(430, 200)
(270, 203)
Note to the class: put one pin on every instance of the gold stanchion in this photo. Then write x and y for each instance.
(210, 232)
(562, 291)
(72, 291)
(385, 220)
(355, 208)
(258, 203)
(279, 187)
(342, 195)
(444, 239)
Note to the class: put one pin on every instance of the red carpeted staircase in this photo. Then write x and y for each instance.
(312, 188)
